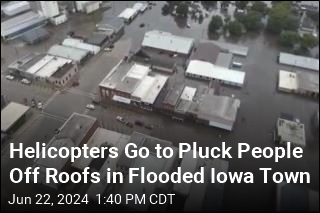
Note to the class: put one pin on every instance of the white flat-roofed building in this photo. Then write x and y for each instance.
(303, 83)
(166, 41)
(299, 61)
(11, 115)
(75, 54)
(128, 14)
(132, 83)
(207, 71)
(155, 89)
(188, 93)
(78, 43)
(287, 81)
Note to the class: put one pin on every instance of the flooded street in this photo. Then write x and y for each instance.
(261, 102)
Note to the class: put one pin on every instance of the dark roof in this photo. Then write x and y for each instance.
(97, 38)
(114, 23)
(62, 70)
(205, 51)
(25, 62)
(35, 35)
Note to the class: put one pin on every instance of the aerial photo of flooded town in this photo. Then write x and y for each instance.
(108, 73)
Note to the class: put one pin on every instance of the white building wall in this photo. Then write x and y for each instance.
(49, 8)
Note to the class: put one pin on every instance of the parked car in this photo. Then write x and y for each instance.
(139, 123)
(40, 105)
(90, 106)
(25, 81)
(120, 119)
(10, 77)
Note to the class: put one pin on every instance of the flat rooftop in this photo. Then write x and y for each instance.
(208, 70)
(48, 66)
(291, 131)
(166, 41)
(11, 114)
(299, 61)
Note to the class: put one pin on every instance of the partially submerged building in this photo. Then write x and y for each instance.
(77, 55)
(128, 14)
(17, 26)
(290, 130)
(51, 69)
(113, 27)
(98, 38)
(15, 7)
(166, 42)
(80, 44)
(299, 61)
(13, 116)
(303, 83)
(207, 71)
(131, 83)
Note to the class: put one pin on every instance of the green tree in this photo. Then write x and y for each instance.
(308, 41)
(235, 28)
(215, 24)
(289, 38)
(259, 6)
(241, 4)
(278, 17)
(291, 23)
(251, 21)
(165, 9)
(182, 9)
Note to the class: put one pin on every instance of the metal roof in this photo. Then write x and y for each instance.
(173, 95)
(20, 23)
(48, 65)
(11, 114)
(128, 13)
(167, 41)
(219, 111)
(114, 24)
(79, 44)
(208, 70)
(74, 54)
(233, 48)
(299, 61)
(224, 60)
